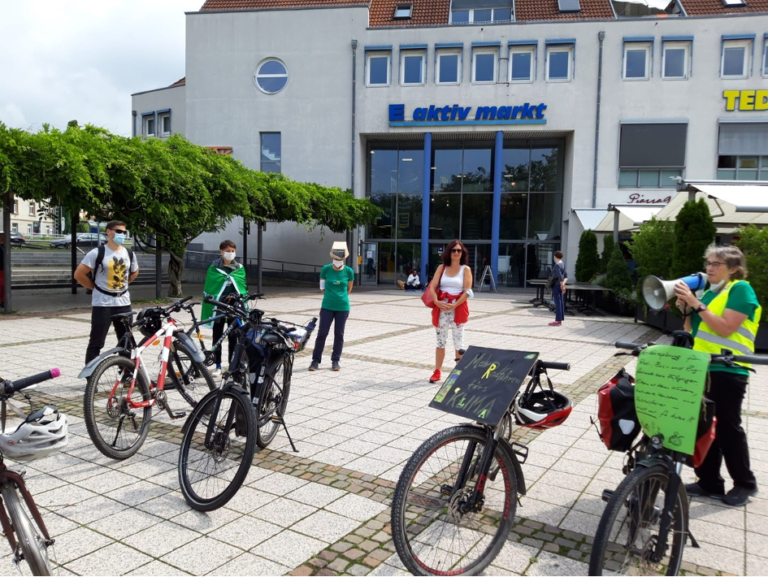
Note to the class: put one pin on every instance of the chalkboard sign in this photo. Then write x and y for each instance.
(668, 390)
(483, 384)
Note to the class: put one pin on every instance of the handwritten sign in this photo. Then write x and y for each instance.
(483, 384)
(668, 390)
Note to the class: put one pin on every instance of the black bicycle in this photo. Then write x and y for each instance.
(455, 501)
(222, 431)
(644, 527)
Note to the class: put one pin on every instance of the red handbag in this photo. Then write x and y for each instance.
(426, 296)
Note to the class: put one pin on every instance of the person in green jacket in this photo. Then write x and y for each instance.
(336, 282)
(225, 278)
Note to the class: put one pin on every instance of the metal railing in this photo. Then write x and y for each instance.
(275, 269)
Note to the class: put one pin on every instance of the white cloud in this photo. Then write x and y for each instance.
(82, 59)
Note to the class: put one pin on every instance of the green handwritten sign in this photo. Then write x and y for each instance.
(483, 384)
(668, 390)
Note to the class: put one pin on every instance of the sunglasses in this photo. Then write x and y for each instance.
(119, 231)
(456, 250)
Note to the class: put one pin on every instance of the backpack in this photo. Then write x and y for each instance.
(100, 263)
(616, 415)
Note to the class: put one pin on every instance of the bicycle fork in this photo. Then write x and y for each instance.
(467, 470)
(667, 516)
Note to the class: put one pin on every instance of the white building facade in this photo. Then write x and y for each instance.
(490, 121)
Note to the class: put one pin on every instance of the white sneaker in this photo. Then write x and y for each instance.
(216, 374)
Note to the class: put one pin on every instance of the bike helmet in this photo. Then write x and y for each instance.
(149, 321)
(42, 433)
(541, 409)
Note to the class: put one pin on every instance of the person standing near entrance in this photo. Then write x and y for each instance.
(107, 271)
(559, 278)
(450, 294)
(336, 281)
(726, 317)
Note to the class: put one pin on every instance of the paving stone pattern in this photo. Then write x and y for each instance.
(325, 510)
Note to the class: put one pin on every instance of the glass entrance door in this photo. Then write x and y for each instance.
(370, 252)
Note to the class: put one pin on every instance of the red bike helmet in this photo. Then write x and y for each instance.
(542, 409)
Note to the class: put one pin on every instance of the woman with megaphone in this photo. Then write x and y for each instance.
(726, 317)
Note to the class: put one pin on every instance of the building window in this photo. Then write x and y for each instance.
(448, 67)
(15, 226)
(635, 9)
(412, 68)
(271, 153)
(149, 125)
(481, 15)
(559, 63)
(29, 228)
(164, 120)
(271, 76)
(522, 64)
(32, 208)
(378, 69)
(674, 60)
(765, 58)
(484, 66)
(15, 207)
(403, 11)
(735, 56)
(742, 167)
(651, 155)
(637, 60)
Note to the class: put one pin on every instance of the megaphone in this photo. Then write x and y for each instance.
(657, 292)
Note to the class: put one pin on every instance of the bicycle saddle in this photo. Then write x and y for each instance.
(123, 316)
(272, 338)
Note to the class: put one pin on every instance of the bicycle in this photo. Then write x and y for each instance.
(42, 433)
(456, 498)
(117, 424)
(649, 508)
(220, 434)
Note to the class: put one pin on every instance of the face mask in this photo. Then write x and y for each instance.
(119, 238)
(718, 286)
(229, 255)
(338, 263)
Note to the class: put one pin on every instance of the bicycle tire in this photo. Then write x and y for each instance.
(418, 533)
(198, 464)
(637, 501)
(97, 392)
(274, 400)
(28, 538)
(184, 372)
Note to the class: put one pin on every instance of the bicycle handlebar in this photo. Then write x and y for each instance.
(556, 366)
(726, 357)
(19, 384)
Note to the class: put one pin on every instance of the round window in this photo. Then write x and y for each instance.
(271, 76)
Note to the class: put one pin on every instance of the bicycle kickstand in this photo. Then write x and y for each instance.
(280, 419)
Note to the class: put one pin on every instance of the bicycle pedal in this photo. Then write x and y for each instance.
(178, 414)
(606, 495)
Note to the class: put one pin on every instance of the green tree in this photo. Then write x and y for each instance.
(754, 244)
(588, 261)
(617, 275)
(608, 245)
(694, 232)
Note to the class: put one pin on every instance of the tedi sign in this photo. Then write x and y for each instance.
(453, 115)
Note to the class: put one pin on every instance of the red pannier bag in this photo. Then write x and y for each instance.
(618, 423)
(705, 433)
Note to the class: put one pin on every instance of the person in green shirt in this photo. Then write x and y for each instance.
(336, 282)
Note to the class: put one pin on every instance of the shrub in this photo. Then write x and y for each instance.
(588, 261)
(608, 244)
(83, 226)
(754, 245)
(694, 232)
(650, 248)
(617, 275)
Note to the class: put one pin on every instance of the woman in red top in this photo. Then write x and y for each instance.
(450, 296)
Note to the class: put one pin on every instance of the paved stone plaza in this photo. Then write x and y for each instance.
(325, 510)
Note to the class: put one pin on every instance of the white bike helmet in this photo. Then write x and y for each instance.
(42, 433)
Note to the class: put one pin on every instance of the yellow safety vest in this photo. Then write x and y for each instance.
(742, 341)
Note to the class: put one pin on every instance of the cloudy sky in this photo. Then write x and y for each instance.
(81, 60)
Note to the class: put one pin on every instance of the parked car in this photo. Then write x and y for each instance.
(85, 239)
(16, 238)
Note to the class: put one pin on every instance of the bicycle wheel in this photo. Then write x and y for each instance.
(191, 379)
(117, 430)
(28, 538)
(433, 533)
(629, 528)
(210, 476)
(273, 400)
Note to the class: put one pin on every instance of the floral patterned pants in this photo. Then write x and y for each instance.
(447, 323)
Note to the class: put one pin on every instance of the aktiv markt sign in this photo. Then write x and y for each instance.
(456, 115)
(746, 99)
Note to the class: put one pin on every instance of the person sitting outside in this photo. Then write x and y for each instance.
(413, 283)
